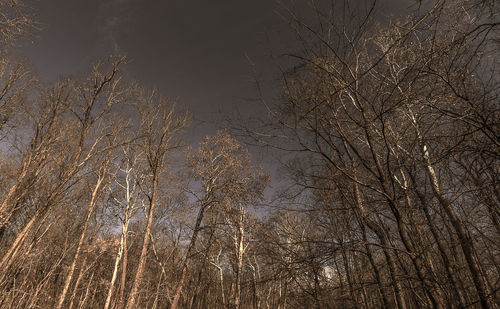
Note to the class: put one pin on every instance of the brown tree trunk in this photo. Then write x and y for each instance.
(463, 237)
(77, 283)
(391, 260)
(456, 290)
(385, 183)
(239, 261)
(92, 205)
(145, 245)
(115, 268)
(121, 295)
(378, 277)
(180, 285)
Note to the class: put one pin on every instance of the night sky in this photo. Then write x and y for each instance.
(193, 51)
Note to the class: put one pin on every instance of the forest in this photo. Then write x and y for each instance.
(388, 134)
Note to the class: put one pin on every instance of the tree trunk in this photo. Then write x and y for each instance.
(185, 265)
(239, 259)
(115, 268)
(378, 278)
(145, 245)
(463, 237)
(77, 283)
(121, 295)
(391, 260)
(92, 205)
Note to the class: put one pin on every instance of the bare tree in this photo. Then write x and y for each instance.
(160, 125)
(228, 180)
(125, 194)
(93, 103)
(15, 21)
(379, 113)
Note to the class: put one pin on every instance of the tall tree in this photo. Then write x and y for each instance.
(160, 126)
(387, 114)
(228, 180)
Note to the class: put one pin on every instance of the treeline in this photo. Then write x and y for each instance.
(390, 137)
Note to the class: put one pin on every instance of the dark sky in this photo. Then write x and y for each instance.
(193, 50)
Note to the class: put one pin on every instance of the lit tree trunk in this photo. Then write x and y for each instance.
(123, 279)
(4, 212)
(187, 259)
(89, 284)
(465, 241)
(145, 245)
(221, 276)
(255, 297)
(227, 177)
(385, 184)
(77, 283)
(160, 123)
(39, 144)
(240, 248)
(216, 263)
(117, 263)
(463, 237)
(127, 207)
(90, 211)
(9, 257)
(47, 133)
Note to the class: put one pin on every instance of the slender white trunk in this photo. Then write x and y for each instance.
(239, 258)
(115, 268)
(145, 245)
